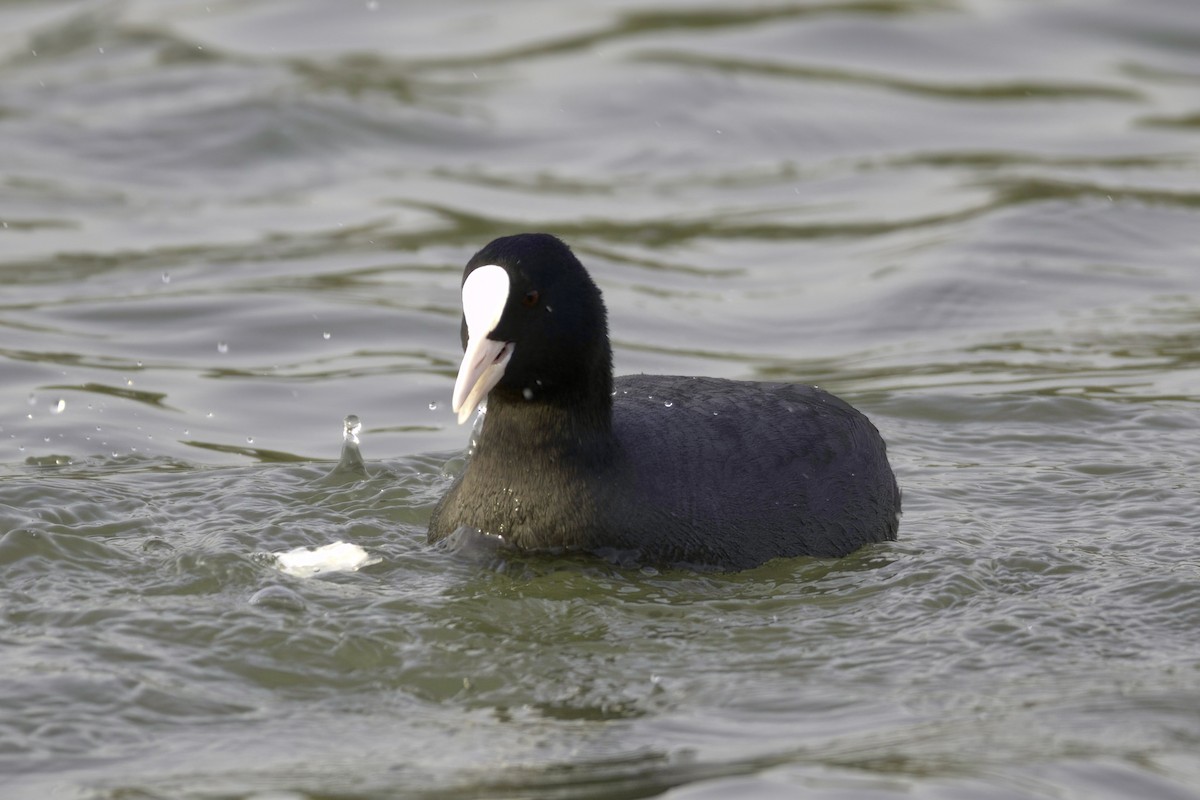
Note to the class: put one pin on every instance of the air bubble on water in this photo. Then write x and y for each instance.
(249, 440)
(101, 49)
(372, 5)
(139, 363)
(59, 407)
(279, 598)
(32, 399)
(668, 404)
(527, 393)
(186, 432)
(209, 415)
(326, 335)
(433, 406)
(166, 277)
(222, 347)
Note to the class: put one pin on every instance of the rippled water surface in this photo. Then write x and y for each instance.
(226, 225)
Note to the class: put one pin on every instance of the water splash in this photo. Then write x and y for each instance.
(351, 460)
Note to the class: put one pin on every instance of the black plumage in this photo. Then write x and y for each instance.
(664, 469)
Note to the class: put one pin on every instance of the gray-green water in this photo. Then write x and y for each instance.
(226, 225)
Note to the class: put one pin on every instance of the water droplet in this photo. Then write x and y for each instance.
(32, 399)
(325, 335)
(166, 277)
(249, 440)
(351, 425)
(209, 415)
(139, 365)
(101, 49)
(222, 347)
(59, 407)
(433, 406)
(527, 393)
(668, 404)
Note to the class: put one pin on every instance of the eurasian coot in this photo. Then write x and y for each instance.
(657, 468)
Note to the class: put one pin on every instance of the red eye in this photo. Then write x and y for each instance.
(531, 298)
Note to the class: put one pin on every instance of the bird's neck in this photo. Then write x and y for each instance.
(577, 429)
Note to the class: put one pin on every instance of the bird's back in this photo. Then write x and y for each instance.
(735, 473)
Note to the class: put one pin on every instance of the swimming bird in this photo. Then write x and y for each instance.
(651, 468)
